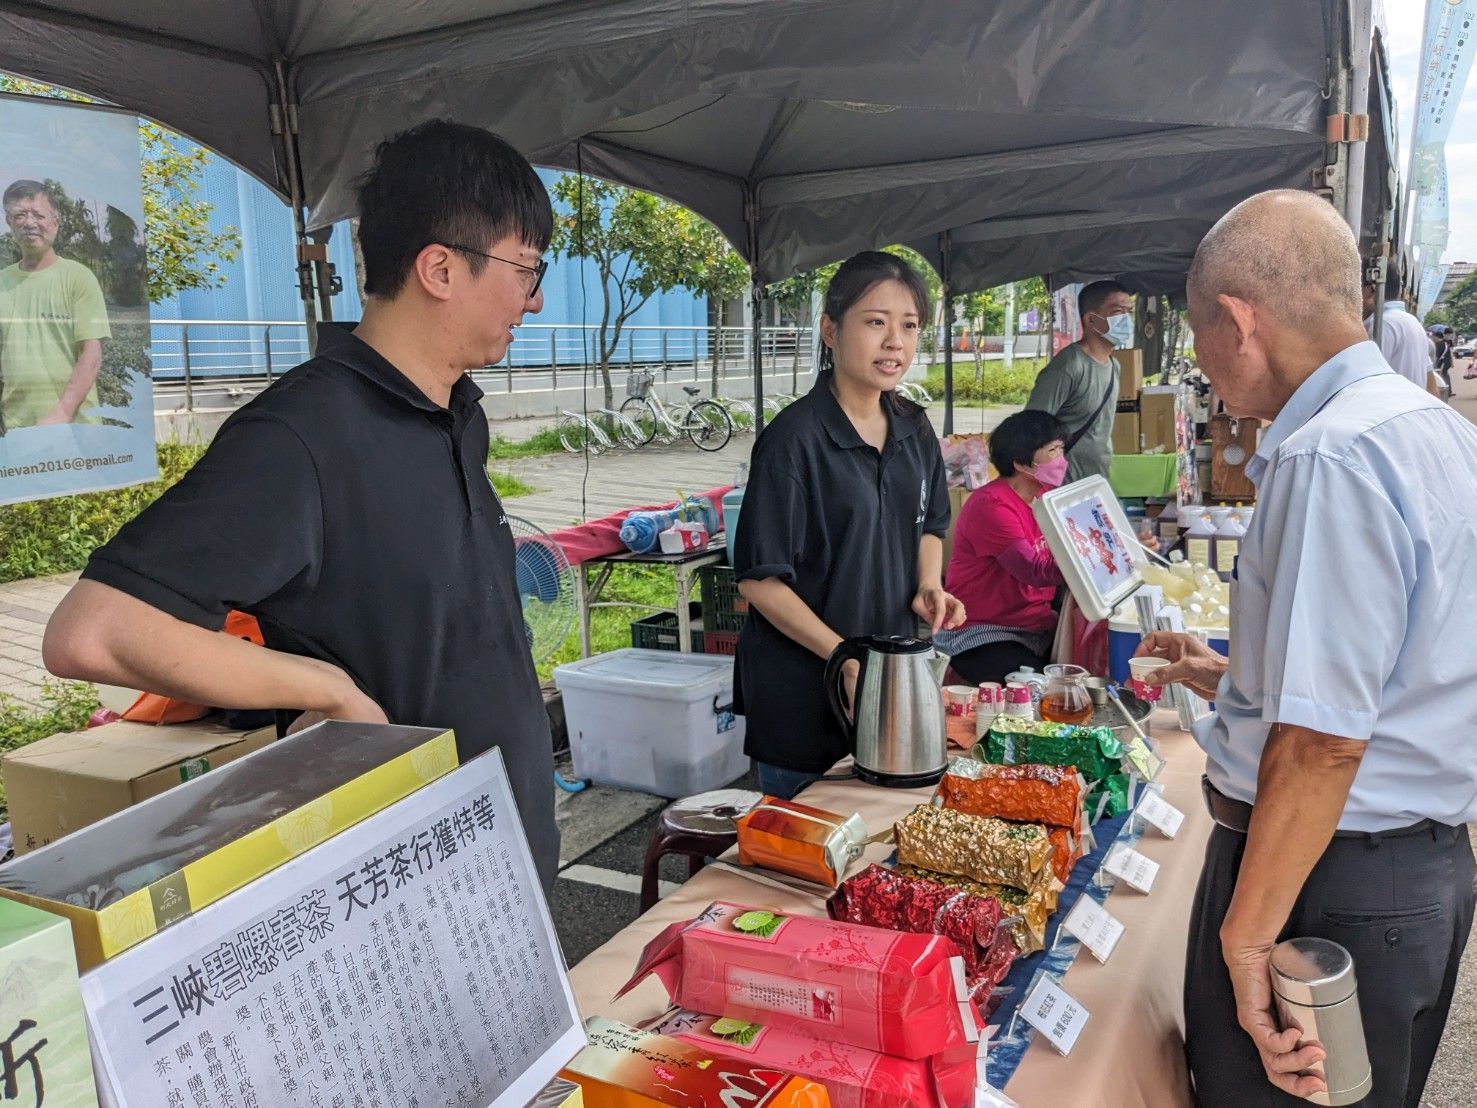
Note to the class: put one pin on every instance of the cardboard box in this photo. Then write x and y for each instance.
(1126, 433)
(63, 783)
(134, 873)
(39, 972)
(1158, 419)
(1130, 372)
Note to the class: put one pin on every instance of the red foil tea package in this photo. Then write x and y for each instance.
(854, 1078)
(892, 992)
(979, 926)
(1028, 793)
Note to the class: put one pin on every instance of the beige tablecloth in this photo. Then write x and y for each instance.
(1132, 1050)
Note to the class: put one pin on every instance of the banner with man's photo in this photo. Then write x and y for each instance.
(76, 391)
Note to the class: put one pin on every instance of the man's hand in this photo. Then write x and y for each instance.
(58, 414)
(350, 704)
(1191, 662)
(938, 608)
(1283, 1059)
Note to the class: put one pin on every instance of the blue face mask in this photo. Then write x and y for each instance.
(1120, 330)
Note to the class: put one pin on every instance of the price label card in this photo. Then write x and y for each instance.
(1050, 1010)
(1160, 814)
(1133, 867)
(1095, 926)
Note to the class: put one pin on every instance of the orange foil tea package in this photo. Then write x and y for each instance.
(623, 1067)
(1029, 793)
(854, 1078)
(809, 843)
(888, 991)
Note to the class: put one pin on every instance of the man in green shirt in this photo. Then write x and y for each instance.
(52, 320)
(1080, 385)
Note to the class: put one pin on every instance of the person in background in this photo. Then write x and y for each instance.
(1339, 761)
(1443, 358)
(1001, 568)
(348, 506)
(843, 523)
(53, 320)
(1080, 385)
(1403, 341)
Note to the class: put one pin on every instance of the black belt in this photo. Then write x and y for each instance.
(1235, 815)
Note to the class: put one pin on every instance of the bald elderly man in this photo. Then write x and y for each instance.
(1341, 762)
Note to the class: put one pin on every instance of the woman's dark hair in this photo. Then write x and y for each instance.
(1016, 440)
(858, 275)
(447, 183)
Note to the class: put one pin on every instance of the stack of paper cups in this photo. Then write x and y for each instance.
(991, 703)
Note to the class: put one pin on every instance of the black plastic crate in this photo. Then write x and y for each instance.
(723, 608)
(659, 631)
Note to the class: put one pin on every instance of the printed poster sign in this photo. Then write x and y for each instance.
(409, 960)
(76, 391)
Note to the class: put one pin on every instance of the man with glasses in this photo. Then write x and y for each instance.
(1080, 385)
(348, 506)
(52, 320)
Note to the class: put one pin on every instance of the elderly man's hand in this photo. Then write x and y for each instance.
(1191, 662)
(1285, 1062)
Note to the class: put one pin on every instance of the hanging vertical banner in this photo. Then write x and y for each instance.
(76, 392)
(1446, 62)
(1066, 324)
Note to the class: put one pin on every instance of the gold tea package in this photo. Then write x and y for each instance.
(991, 851)
(805, 842)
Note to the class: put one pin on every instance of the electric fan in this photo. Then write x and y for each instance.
(545, 587)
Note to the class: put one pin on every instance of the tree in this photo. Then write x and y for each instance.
(721, 275)
(182, 251)
(640, 245)
(1461, 307)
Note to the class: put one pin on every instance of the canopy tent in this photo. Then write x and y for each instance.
(804, 129)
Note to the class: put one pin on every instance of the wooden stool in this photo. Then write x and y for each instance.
(701, 827)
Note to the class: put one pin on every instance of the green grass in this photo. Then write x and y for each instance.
(508, 486)
(65, 706)
(543, 442)
(992, 384)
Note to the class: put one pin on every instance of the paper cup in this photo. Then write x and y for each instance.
(959, 698)
(1138, 672)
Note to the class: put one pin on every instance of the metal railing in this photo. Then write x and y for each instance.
(219, 362)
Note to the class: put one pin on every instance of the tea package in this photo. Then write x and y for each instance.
(1032, 907)
(991, 851)
(623, 1067)
(1095, 751)
(893, 992)
(1030, 793)
(809, 843)
(979, 926)
(854, 1078)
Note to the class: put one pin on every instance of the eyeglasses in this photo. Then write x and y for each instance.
(536, 271)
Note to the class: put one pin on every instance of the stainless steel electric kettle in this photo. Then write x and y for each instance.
(897, 725)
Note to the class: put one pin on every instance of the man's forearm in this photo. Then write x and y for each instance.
(1302, 785)
(100, 634)
(84, 375)
(930, 562)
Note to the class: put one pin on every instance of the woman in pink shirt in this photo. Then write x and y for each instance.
(1001, 567)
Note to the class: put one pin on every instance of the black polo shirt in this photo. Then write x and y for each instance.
(840, 524)
(354, 518)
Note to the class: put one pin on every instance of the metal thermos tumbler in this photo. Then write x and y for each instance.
(1313, 980)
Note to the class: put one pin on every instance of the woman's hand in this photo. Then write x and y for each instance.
(937, 608)
(1191, 662)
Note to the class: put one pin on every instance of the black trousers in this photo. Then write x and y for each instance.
(993, 661)
(1400, 902)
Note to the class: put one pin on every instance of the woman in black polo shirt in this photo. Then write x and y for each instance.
(843, 520)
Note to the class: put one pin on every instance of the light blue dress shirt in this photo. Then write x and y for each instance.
(1354, 611)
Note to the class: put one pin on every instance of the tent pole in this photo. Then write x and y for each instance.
(756, 294)
(284, 126)
(945, 246)
(1356, 141)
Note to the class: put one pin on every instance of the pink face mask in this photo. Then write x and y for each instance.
(1050, 475)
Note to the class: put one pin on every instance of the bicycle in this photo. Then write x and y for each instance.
(705, 422)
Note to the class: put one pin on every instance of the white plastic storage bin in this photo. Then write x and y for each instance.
(653, 720)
